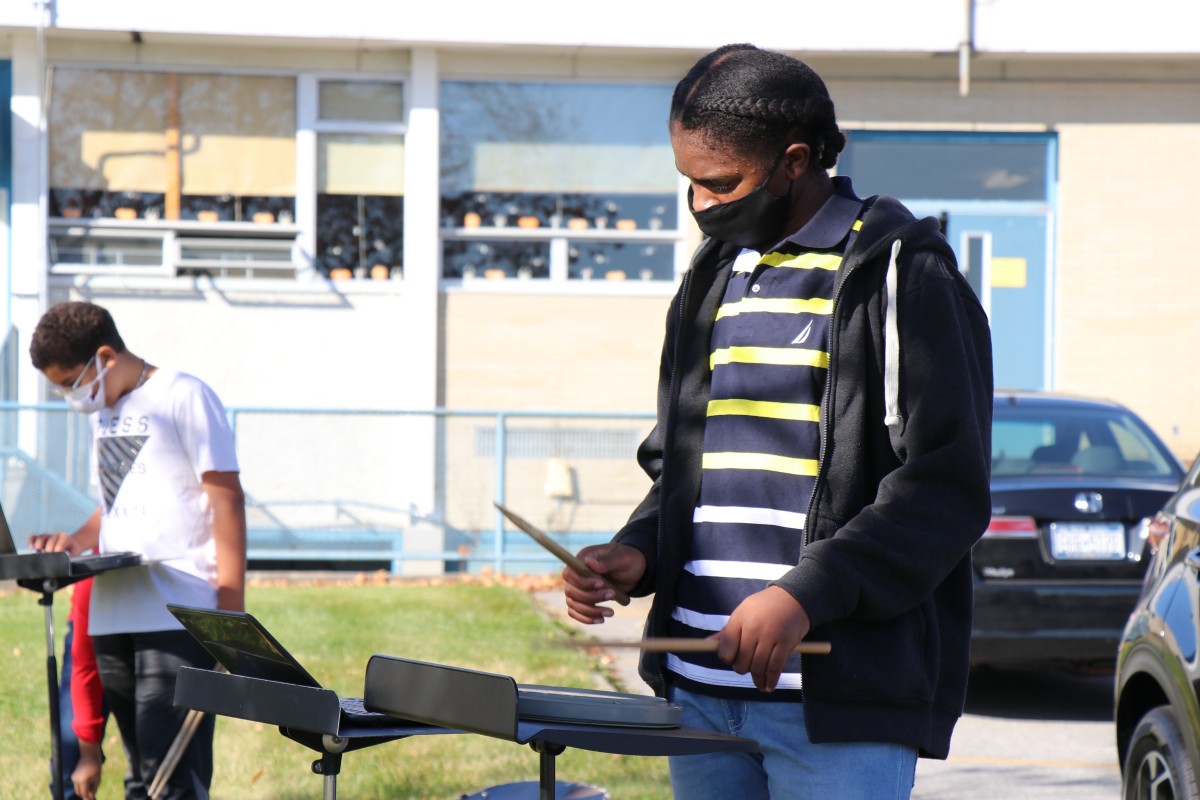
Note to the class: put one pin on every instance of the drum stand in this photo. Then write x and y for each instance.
(488, 704)
(46, 573)
(306, 715)
(46, 587)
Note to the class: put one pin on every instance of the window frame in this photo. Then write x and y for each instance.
(309, 127)
(560, 238)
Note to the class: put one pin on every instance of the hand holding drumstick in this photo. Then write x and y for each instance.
(599, 573)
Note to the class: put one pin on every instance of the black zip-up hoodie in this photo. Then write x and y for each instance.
(885, 571)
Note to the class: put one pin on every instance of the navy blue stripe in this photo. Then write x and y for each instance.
(763, 543)
(770, 330)
(715, 595)
(782, 282)
(730, 487)
(772, 383)
(728, 433)
(775, 382)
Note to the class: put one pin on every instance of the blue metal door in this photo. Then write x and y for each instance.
(1002, 252)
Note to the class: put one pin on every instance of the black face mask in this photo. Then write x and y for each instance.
(750, 221)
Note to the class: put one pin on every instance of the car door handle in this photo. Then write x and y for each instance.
(1192, 560)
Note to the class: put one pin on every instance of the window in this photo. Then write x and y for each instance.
(948, 166)
(360, 178)
(154, 145)
(147, 169)
(557, 181)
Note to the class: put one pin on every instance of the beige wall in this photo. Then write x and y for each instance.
(544, 351)
(1127, 295)
(538, 352)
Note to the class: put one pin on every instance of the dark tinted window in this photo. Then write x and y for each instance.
(1075, 440)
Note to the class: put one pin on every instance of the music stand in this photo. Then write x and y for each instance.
(46, 573)
(309, 716)
(489, 704)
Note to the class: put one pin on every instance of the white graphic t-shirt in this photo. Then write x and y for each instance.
(150, 450)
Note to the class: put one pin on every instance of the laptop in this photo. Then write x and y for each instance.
(38, 566)
(242, 645)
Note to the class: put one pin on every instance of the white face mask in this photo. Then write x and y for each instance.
(88, 398)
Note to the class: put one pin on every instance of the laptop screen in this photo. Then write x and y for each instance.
(242, 645)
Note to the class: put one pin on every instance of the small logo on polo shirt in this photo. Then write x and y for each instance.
(802, 337)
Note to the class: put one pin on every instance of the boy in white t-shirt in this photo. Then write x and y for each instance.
(166, 471)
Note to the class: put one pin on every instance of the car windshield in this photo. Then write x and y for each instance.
(1074, 440)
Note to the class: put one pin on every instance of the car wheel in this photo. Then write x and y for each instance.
(1157, 767)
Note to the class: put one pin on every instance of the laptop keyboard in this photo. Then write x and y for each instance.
(354, 711)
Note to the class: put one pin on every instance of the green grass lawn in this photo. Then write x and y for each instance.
(333, 630)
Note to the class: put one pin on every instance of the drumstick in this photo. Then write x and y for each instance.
(668, 645)
(564, 555)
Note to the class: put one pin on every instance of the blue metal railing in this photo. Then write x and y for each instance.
(376, 542)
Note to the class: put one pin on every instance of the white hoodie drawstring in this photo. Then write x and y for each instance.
(891, 346)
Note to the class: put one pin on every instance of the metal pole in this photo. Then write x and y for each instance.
(965, 48)
(546, 778)
(47, 602)
(501, 459)
(330, 763)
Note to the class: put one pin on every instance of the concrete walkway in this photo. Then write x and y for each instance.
(624, 625)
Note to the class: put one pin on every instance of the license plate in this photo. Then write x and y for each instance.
(1087, 541)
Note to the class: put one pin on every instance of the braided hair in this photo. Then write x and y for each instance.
(758, 101)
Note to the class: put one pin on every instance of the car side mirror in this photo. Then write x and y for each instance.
(1188, 506)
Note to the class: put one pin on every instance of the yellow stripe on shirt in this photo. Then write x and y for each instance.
(764, 461)
(827, 261)
(803, 412)
(782, 356)
(776, 305)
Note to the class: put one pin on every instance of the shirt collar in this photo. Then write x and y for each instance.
(833, 220)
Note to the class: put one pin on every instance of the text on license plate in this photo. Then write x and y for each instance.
(1100, 541)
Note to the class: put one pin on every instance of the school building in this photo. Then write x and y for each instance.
(364, 207)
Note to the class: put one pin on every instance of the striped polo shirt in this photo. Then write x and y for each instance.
(769, 359)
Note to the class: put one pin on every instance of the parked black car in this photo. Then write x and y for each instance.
(1157, 715)
(1075, 483)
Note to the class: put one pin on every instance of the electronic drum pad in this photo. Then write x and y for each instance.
(595, 707)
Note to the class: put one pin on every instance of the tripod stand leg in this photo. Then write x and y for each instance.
(47, 602)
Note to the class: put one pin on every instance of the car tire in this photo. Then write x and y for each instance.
(1158, 767)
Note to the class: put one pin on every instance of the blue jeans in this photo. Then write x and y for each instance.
(788, 766)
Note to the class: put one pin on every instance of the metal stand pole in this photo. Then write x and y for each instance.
(330, 763)
(546, 778)
(47, 602)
